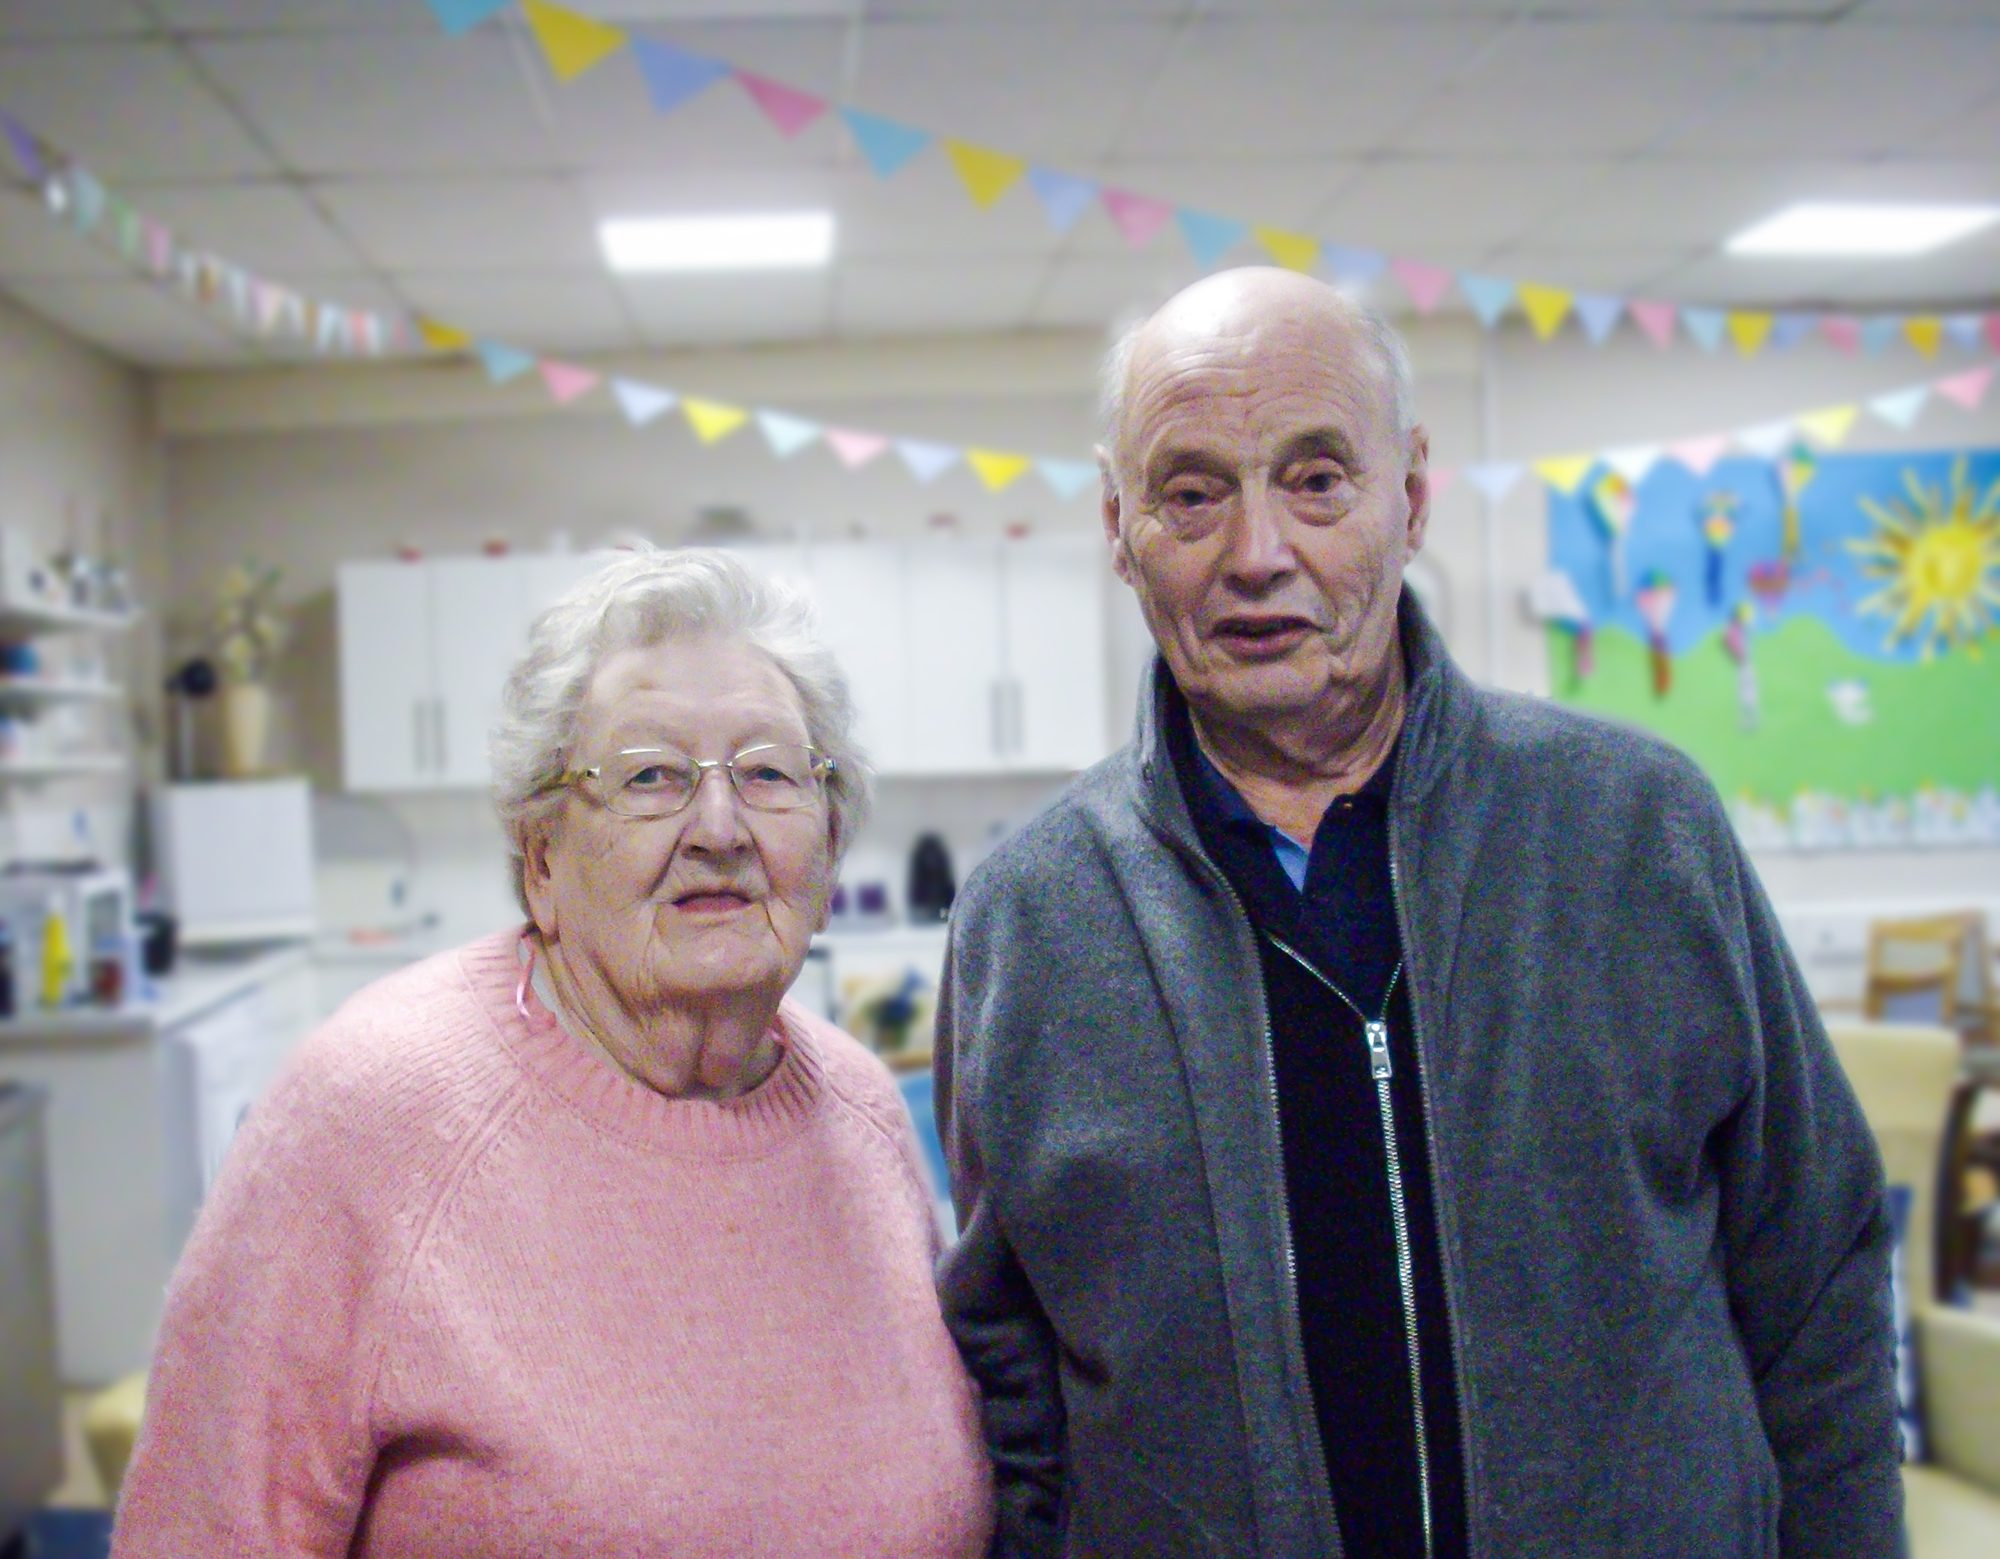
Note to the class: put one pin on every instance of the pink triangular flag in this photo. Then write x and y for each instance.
(566, 381)
(786, 107)
(1426, 284)
(1699, 454)
(1968, 388)
(1656, 319)
(1139, 217)
(1843, 330)
(856, 449)
(1993, 331)
(1442, 478)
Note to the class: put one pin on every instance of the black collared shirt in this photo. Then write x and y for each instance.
(1341, 917)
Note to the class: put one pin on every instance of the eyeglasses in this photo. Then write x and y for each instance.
(653, 782)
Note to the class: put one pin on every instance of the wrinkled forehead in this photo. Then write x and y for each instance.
(703, 691)
(1244, 378)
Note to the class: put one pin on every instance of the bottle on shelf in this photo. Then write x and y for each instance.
(55, 960)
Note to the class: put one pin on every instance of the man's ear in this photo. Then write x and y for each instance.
(1111, 511)
(1417, 489)
(538, 877)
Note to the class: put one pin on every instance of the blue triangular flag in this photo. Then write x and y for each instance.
(673, 75)
(504, 362)
(787, 435)
(1488, 295)
(641, 403)
(88, 197)
(1964, 329)
(459, 16)
(1790, 328)
(1882, 331)
(1706, 326)
(1064, 196)
(26, 152)
(1353, 265)
(1068, 477)
(1599, 313)
(925, 460)
(1901, 406)
(1497, 480)
(886, 143)
(1209, 237)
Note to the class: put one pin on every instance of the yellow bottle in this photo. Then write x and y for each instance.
(55, 960)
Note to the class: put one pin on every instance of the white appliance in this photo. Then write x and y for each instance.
(95, 903)
(235, 859)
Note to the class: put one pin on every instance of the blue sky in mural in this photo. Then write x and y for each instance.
(1665, 534)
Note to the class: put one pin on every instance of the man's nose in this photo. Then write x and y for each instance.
(1260, 545)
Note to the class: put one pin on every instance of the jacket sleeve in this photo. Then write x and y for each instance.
(990, 1306)
(1808, 1243)
(255, 1437)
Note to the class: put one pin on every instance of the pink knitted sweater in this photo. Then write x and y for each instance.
(463, 1289)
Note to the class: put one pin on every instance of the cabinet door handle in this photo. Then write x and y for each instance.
(996, 708)
(437, 728)
(1018, 738)
(417, 733)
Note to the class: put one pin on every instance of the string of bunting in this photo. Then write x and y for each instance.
(268, 310)
(573, 44)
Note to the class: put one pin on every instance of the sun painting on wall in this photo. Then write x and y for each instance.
(1935, 560)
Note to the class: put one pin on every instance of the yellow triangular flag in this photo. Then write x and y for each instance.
(996, 468)
(1748, 330)
(443, 338)
(1829, 424)
(1564, 472)
(711, 420)
(571, 42)
(1925, 332)
(1546, 307)
(1294, 251)
(986, 174)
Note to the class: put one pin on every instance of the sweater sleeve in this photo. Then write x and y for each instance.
(1808, 1239)
(256, 1435)
(1001, 1331)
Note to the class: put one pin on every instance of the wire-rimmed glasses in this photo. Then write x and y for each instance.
(658, 782)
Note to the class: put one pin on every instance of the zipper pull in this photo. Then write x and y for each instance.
(1377, 1033)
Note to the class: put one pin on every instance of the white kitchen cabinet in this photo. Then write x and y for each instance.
(479, 614)
(1053, 642)
(859, 591)
(956, 691)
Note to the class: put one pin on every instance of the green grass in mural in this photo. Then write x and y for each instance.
(1934, 724)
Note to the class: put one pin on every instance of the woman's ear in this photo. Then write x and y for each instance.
(538, 876)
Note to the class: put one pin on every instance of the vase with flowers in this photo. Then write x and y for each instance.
(246, 633)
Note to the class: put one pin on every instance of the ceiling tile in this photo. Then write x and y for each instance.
(132, 320)
(703, 310)
(128, 110)
(267, 16)
(924, 212)
(268, 227)
(903, 297)
(1278, 88)
(1973, 133)
(1095, 293)
(32, 243)
(1062, 89)
(385, 102)
(1627, 270)
(472, 224)
(551, 313)
(1958, 277)
(1415, 206)
(1732, 282)
(70, 19)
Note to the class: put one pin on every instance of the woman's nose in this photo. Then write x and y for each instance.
(715, 814)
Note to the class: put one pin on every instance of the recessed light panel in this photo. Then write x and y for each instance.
(1842, 229)
(738, 241)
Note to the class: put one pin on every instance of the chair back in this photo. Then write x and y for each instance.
(1903, 1075)
(1924, 971)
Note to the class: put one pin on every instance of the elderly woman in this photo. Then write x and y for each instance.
(578, 1240)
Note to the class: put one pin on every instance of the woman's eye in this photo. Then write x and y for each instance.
(651, 777)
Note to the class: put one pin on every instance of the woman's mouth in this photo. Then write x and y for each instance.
(711, 901)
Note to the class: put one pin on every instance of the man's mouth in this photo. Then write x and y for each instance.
(1260, 634)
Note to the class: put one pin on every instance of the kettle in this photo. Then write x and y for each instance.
(931, 885)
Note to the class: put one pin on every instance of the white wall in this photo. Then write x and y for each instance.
(309, 467)
(80, 467)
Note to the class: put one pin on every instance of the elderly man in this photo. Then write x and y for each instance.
(1385, 1117)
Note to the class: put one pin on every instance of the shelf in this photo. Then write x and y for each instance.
(54, 690)
(18, 619)
(57, 768)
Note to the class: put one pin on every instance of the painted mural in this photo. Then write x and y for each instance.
(1820, 631)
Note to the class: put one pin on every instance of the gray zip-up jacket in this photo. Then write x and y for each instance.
(1664, 1234)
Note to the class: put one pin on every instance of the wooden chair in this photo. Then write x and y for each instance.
(1935, 969)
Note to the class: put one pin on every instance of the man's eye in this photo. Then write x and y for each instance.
(1317, 479)
(1188, 497)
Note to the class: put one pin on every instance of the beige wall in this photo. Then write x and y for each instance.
(81, 466)
(308, 467)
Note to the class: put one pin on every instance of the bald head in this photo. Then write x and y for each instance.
(1248, 304)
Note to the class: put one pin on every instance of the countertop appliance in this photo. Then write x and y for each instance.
(235, 859)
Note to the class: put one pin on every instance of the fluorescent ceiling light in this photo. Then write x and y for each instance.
(1824, 227)
(746, 241)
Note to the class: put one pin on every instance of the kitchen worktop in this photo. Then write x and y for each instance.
(199, 983)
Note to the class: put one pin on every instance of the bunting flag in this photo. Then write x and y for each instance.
(1967, 389)
(1699, 455)
(786, 107)
(712, 421)
(1495, 479)
(672, 75)
(1598, 314)
(786, 434)
(986, 174)
(926, 461)
(1900, 408)
(1706, 326)
(887, 145)
(1828, 425)
(1633, 461)
(1843, 330)
(571, 42)
(22, 145)
(642, 403)
(997, 469)
(566, 382)
(1546, 307)
(1880, 333)
(1790, 329)
(1565, 473)
(1768, 439)
(1064, 197)
(1488, 295)
(1208, 237)
(1655, 319)
(461, 16)
(1926, 333)
(1748, 328)
(1425, 284)
(1349, 264)
(1138, 218)
(504, 363)
(855, 449)
(1068, 478)
(1294, 251)
(442, 338)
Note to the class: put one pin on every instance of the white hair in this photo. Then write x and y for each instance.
(637, 602)
(1391, 353)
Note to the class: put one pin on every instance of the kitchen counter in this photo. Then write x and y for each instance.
(199, 983)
